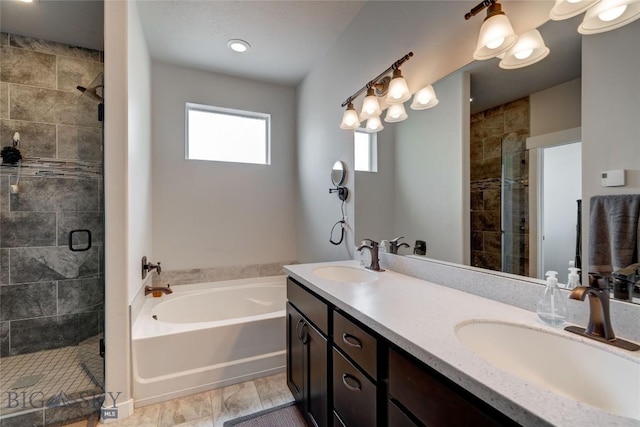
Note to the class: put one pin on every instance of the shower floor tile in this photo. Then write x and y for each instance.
(58, 376)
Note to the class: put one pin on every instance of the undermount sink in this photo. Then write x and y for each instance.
(557, 363)
(343, 274)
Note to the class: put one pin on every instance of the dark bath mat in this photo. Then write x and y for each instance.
(27, 381)
(286, 415)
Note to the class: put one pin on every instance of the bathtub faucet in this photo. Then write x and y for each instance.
(153, 289)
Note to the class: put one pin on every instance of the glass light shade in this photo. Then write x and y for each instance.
(350, 118)
(565, 9)
(496, 36)
(370, 105)
(424, 98)
(528, 50)
(608, 15)
(398, 91)
(373, 125)
(395, 113)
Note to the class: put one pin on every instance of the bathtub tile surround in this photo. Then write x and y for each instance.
(204, 275)
(507, 289)
(49, 295)
(213, 408)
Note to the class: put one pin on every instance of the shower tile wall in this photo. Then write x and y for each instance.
(50, 297)
(496, 134)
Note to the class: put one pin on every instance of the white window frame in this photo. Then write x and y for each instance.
(373, 150)
(190, 106)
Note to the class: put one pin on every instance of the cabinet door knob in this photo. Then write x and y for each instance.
(298, 329)
(352, 341)
(305, 335)
(350, 387)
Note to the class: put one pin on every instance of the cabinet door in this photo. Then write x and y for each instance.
(295, 353)
(307, 367)
(316, 371)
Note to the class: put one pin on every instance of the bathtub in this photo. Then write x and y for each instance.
(208, 335)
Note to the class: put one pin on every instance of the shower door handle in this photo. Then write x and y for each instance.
(86, 247)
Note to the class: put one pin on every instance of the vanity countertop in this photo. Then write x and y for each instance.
(421, 317)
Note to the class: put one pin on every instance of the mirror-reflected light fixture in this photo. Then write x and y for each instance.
(528, 50)
(496, 34)
(601, 16)
(565, 9)
(396, 90)
(608, 15)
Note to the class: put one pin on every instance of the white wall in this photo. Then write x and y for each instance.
(556, 108)
(442, 42)
(139, 184)
(127, 184)
(212, 214)
(610, 114)
(562, 186)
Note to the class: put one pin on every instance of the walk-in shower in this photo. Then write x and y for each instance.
(51, 233)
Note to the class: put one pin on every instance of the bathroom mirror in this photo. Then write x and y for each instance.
(338, 173)
(400, 199)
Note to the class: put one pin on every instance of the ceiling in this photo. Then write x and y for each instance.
(287, 37)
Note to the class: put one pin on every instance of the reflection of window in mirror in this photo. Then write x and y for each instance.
(365, 151)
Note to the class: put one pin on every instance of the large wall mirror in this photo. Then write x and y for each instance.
(494, 183)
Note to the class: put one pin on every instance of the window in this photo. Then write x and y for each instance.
(226, 135)
(365, 151)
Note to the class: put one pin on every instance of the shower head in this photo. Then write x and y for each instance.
(92, 92)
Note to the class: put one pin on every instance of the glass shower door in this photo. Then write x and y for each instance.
(515, 213)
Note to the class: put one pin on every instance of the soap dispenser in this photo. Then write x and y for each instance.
(574, 277)
(552, 307)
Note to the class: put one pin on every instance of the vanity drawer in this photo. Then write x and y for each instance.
(355, 343)
(354, 396)
(436, 401)
(397, 418)
(309, 305)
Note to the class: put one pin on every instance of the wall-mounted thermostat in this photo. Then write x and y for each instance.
(614, 178)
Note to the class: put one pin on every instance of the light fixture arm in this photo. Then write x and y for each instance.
(479, 8)
(375, 81)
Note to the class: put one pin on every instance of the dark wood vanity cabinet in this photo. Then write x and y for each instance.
(307, 354)
(343, 374)
(420, 396)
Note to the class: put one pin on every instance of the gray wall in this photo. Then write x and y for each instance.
(431, 188)
(557, 108)
(610, 114)
(215, 214)
(49, 296)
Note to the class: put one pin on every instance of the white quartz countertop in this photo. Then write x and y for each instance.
(421, 318)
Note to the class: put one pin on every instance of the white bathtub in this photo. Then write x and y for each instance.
(208, 335)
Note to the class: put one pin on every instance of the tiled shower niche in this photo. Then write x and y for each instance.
(51, 298)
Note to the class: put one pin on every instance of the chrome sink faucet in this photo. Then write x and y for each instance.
(372, 246)
(599, 327)
(394, 245)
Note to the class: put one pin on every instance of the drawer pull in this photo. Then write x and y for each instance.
(298, 331)
(352, 341)
(350, 387)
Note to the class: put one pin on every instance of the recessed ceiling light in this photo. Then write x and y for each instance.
(238, 45)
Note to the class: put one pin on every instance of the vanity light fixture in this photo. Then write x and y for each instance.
(565, 9)
(373, 125)
(398, 90)
(528, 50)
(496, 34)
(608, 15)
(350, 118)
(395, 113)
(370, 105)
(424, 98)
(238, 45)
(397, 93)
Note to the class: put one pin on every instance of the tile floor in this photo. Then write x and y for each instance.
(211, 408)
(54, 373)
